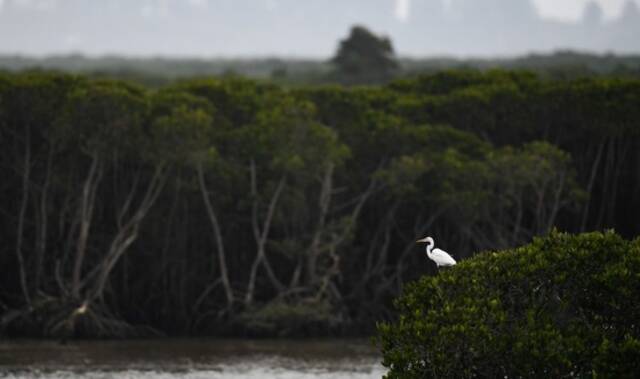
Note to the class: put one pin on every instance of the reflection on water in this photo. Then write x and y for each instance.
(191, 359)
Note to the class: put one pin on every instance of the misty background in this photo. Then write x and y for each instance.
(311, 28)
(263, 169)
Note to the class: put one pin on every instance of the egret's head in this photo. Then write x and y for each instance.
(428, 240)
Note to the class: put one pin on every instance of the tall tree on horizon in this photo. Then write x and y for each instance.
(364, 58)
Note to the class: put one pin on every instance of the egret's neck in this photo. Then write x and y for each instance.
(429, 247)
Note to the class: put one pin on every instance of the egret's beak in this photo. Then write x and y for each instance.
(422, 240)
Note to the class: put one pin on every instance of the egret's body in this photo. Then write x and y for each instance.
(439, 256)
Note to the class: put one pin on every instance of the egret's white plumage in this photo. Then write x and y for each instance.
(439, 256)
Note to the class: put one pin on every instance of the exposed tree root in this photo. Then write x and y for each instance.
(65, 319)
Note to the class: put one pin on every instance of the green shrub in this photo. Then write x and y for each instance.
(563, 306)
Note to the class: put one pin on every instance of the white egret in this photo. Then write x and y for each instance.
(439, 256)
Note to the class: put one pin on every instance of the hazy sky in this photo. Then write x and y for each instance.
(564, 10)
(296, 28)
(568, 10)
(571, 10)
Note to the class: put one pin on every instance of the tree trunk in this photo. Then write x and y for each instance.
(557, 202)
(41, 240)
(128, 232)
(261, 236)
(324, 201)
(592, 179)
(215, 225)
(86, 213)
(26, 177)
(606, 183)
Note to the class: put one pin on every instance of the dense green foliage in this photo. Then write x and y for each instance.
(562, 306)
(233, 206)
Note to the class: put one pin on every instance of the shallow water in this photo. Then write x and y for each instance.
(191, 359)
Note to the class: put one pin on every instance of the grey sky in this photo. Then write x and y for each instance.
(571, 10)
(307, 28)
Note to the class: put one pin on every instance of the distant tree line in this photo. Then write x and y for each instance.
(230, 206)
(362, 57)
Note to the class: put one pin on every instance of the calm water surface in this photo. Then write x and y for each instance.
(191, 359)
